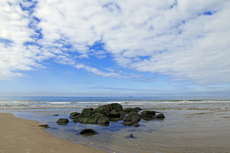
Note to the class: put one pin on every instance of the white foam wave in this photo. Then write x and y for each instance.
(82, 104)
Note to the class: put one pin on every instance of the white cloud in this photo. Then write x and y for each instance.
(168, 37)
(98, 72)
(110, 69)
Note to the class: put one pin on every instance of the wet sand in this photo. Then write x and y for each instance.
(20, 135)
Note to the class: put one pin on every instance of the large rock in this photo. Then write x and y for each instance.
(62, 121)
(74, 115)
(97, 115)
(103, 121)
(133, 113)
(148, 115)
(86, 112)
(136, 109)
(92, 121)
(106, 109)
(86, 120)
(122, 115)
(127, 119)
(160, 116)
(136, 118)
(117, 107)
(131, 119)
(114, 114)
(88, 132)
(127, 123)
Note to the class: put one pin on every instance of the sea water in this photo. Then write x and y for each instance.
(200, 125)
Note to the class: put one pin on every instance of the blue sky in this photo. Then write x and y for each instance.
(114, 48)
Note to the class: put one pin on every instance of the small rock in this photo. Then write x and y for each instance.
(44, 126)
(88, 132)
(131, 135)
(160, 116)
(62, 121)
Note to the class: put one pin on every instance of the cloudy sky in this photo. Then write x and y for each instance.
(115, 48)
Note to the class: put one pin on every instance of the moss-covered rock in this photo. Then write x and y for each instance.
(103, 120)
(122, 114)
(136, 124)
(160, 116)
(136, 109)
(127, 123)
(74, 115)
(117, 107)
(127, 119)
(114, 114)
(114, 119)
(84, 120)
(88, 132)
(62, 121)
(136, 118)
(148, 115)
(97, 115)
(86, 112)
(133, 113)
(102, 110)
(106, 109)
(92, 121)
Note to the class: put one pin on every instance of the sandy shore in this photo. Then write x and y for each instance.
(20, 135)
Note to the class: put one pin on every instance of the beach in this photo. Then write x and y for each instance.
(189, 126)
(21, 135)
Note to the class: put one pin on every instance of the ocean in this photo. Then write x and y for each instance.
(191, 124)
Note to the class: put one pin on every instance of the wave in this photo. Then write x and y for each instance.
(63, 104)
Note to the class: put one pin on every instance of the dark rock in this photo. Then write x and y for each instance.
(136, 109)
(127, 119)
(87, 120)
(122, 115)
(114, 119)
(86, 112)
(127, 123)
(114, 114)
(55, 115)
(97, 115)
(133, 113)
(76, 120)
(88, 132)
(106, 109)
(160, 116)
(136, 118)
(117, 107)
(148, 115)
(103, 120)
(62, 121)
(83, 120)
(44, 126)
(102, 109)
(92, 121)
(131, 119)
(136, 125)
(131, 135)
(74, 115)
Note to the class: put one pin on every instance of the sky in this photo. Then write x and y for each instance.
(114, 48)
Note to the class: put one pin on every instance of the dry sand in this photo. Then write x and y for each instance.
(25, 136)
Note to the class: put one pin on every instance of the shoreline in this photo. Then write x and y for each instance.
(22, 135)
